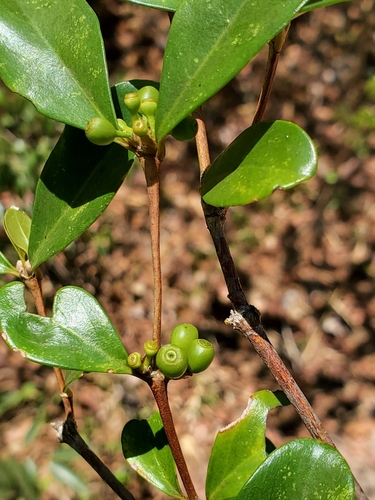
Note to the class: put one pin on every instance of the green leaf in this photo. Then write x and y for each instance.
(52, 53)
(17, 226)
(145, 447)
(241, 447)
(6, 267)
(303, 468)
(76, 185)
(79, 336)
(315, 4)
(265, 157)
(170, 5)
(208, 44)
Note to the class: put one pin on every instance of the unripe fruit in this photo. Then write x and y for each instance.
(148, 92)
(151, 347)
(100, 131)
(148, 107)
(200, 355)
(140, 127)
(183, 335)
(186, 129)
(134, 360)
(172, 361)
(132, 102)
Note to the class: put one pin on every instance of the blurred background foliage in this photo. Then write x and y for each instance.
(305, 258)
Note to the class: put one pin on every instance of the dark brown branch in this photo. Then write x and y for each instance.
(159, 390)
(151, 167)
(274, 49)
(246, 319)
(67, 433)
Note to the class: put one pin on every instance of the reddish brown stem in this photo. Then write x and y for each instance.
(274, 49)
(151, 167)
(159, 390)
(33, 284)
(246, 318)
(67, 431)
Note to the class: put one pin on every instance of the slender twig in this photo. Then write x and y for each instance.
(33, 284)
(246, 318)
(151, 167)
(67, 433)
(159, 390)
(274, 49)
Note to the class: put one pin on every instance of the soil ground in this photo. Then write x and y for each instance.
(306, 259)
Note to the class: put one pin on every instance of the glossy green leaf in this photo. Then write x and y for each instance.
(52, 53)
(170, 5)
(17, 226)
(305, 468)
(316, 4)
(76, 185)
(79, 336)
(145, 447)
(6, 267)
(265, 157)
(241, 447)
(208, 44)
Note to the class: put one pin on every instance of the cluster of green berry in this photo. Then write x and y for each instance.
(186, 353)
(142, 107)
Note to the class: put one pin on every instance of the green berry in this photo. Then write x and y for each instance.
(151, 347)
(183, 335)
(200, 355)
(100, 131)
(186, 129)
(148, 92)
(148, 107)
(134, 360)
(132, 102)
(172, 361)
(140, 127)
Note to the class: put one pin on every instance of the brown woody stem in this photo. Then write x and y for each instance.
(151, 168)
(159, 390)
(246, 318)
(67, 433)
(33, 284)
(274, 49)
